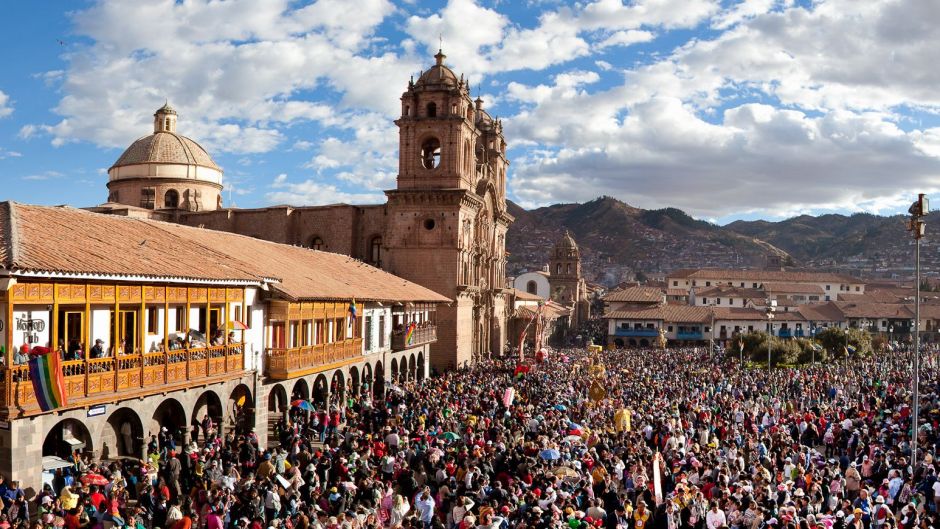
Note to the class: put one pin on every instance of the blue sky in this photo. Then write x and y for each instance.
(726, 109)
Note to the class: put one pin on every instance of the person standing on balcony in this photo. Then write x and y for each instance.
(97, 351)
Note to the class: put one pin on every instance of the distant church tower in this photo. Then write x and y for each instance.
(447, 219)
(566, 285)
(165, 171)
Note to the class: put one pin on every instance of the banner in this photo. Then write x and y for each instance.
(657, 479)
(45, 371)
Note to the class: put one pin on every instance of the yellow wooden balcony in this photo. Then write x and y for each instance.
(283, 364)
(102, 380)
(422, 335)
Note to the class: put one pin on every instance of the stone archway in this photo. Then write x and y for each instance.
(207, 405)
(277, 400)
(378, 381)
(354, 381)
(618, 342)
(338, 389)
(321, 392)
(127, 433)
(395, 370)
(171, 415)
(241, 409)
(65, 437)
(366, 385)
(412, 366)
(301, 390)
(421, 367)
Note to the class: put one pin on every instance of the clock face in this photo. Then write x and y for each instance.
(431, 153)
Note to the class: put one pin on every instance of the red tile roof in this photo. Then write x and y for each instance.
(763, 275)
(63, 240)
(670, 313)
(636, 295)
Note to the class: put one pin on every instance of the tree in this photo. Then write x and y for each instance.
(836, 340)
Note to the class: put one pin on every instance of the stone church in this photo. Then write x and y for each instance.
(443, 226)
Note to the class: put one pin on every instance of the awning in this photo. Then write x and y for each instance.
(54, 463)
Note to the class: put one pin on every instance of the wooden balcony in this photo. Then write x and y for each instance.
(283, 364)
(422, 335)
(103, 380)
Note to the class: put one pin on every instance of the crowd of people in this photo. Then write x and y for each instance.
(638, 439)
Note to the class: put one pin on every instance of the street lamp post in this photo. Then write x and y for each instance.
(812, 332)
(918, 210)
(891, 335)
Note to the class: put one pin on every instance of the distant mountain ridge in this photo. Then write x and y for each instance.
(618, 240)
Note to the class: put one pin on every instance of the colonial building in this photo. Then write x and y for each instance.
(443, 226)
(159, 325)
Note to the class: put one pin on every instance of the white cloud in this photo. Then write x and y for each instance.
(9, 154)
(313, 193)
(6, 106)
(626, 38)
(45, 175)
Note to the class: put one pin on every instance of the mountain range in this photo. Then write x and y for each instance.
(618, 241)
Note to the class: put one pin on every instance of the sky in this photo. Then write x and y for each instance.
(726, 109)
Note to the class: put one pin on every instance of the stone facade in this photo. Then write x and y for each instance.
(443, 227)
(566, 283)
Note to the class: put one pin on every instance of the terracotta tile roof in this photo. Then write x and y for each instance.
(763, 275)
(793, 288)
(821, 312)
(677, 292)
(636, 295)
(62, 240)
(729, 291)
(668, 313)
(877, 296)
(874, 310)
(739, 313)
(525, 296)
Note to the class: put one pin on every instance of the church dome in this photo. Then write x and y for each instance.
(567, 242)
(438, 74)
(166, 147)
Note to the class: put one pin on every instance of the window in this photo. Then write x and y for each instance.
(316, 243)
(171, 199)
(429, 224)
(367, 338)
(717, 301)
(293, 334)
(568, 269)
(407, 110)
(382, 331)
(247, 321)
(531, 287)
(375, 252)
(152, 326)
(675, 283)
(340, 329)
(147, 197)
(828, 287)
(238, 313)
(432, 110)
(453, 108)
(858, 289)
(558, 269)
(180, 318)
(669, 328)
(431, 153)
(708, 283)
(753, 285)
(320, 337)
(166, 124)
(704, 301)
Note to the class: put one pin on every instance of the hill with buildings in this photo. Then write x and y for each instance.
(619, 240)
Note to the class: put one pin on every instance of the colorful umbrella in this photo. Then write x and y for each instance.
(561, 407)
(565, 472)
(550, 454)
(94, 479)
(451, 436)
(302, 404)
(236, 325)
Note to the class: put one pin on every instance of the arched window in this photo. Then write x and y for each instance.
(558, 269)
(467, 156)
(407, 110)
(166, 124)
(431, 153)
(316, 243)
(470, 112)
(568, 269)
(171, 199)
(531, 287)
(432, 110)
(375, 251)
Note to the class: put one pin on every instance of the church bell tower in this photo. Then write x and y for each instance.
(447, 217)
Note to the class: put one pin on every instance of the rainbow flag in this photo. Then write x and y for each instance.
(352, 310)
(411, 333)
(45, 370)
